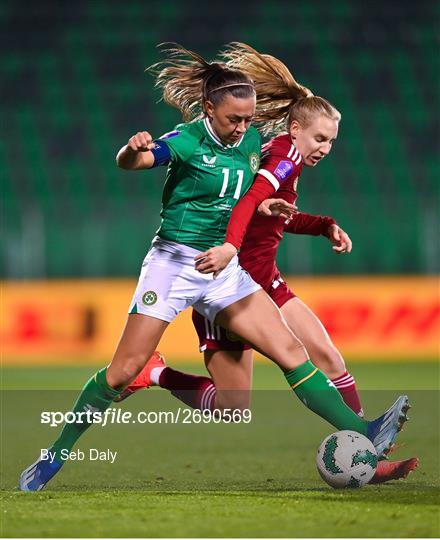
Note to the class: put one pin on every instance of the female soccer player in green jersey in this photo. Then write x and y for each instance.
(211, 164)
(228, 360)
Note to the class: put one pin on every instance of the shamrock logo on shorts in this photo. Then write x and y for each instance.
(149, 298)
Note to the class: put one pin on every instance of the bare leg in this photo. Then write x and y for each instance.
(139, 339)
(309, 329)
(231, 372)
(258, 321)
(325, 355)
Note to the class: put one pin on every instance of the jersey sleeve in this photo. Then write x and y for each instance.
(244, 210)
(280, 162)
(302, 223)
(180, 142)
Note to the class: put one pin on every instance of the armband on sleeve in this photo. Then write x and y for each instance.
(161, 153)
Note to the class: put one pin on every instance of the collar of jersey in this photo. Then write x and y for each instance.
(216, 139)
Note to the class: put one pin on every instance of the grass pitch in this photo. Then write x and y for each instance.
(229, 480)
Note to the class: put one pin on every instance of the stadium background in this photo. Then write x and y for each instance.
(75, 228)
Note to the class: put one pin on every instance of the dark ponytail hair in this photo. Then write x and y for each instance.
(187, 81)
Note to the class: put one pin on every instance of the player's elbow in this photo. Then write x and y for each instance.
(121, 165)
(120, 162)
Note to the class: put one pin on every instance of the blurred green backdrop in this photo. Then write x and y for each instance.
(74, 90)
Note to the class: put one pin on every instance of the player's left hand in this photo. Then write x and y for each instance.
(215, 259)
(276, 208)
(340, 239)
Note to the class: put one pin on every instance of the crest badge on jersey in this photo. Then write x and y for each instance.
(254, 162)
(283, 169)
(149, 298)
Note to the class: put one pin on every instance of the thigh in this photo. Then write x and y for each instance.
(231, 372)
(232, 284)
(139, 340)
(258, 321)
(215, 338)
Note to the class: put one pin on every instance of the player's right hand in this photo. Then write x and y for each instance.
(141, 142)
(215, 259)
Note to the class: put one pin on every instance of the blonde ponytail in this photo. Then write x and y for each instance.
(280, 98)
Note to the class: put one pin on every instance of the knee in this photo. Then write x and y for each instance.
(133, 366)
(329, 360)
(126, 371)
(295, 347)
(291, 355)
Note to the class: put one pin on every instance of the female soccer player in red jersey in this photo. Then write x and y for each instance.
(312, 125)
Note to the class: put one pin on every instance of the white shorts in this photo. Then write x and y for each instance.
(169, 283)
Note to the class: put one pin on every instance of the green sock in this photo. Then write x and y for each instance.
(97, 394)
(318, 393)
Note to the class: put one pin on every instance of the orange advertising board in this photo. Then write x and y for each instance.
(80, 321)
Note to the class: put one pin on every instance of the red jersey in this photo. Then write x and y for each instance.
(281, 167)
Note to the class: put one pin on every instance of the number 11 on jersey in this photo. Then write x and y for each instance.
(240, 175)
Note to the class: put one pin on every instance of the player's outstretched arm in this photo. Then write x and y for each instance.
(136, 154)
(303, 223)
(276, 208)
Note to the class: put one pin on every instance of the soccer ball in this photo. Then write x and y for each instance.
(346, 459)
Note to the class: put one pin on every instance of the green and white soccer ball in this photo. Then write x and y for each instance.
(346, 459)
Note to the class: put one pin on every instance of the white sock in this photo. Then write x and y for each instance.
(155, 374)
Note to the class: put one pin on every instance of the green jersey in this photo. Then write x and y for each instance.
(205, 179)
